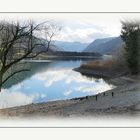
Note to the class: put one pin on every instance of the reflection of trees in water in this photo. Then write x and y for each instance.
(91, 77)
(96, 78)
(35, 67)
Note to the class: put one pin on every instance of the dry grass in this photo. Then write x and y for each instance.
(98, 65)
(117, 63)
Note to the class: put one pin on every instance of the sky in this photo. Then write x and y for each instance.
(83, 27)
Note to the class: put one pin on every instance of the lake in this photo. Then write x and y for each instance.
(49, 81)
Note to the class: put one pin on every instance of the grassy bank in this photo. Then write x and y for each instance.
(103, 69)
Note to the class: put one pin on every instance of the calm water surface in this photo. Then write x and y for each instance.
(49, 81)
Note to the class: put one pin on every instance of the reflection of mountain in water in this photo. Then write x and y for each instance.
(35, 67)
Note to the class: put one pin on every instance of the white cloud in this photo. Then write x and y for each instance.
(50, 77)
(80, 35)
(97, 87)
(87, 30)
(67, 92)
(79, 27)
(94, 89)
(82, 84)
(15, 98)
(68, 76)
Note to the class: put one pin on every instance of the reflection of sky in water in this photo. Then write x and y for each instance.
(54, 83)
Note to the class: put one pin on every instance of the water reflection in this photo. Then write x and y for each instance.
(51, 81)
(34, 67)
(10, 98)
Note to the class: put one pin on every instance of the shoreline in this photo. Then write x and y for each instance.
(115, 78)
(124, 99)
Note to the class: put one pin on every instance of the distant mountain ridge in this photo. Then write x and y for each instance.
(71, 46)
(52, 47)
(105, 45)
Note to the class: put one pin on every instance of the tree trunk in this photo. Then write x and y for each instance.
(1, 75)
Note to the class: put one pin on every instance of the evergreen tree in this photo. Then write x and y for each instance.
(130, 34)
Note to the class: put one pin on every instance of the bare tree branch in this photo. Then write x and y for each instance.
(19, 41)
(11, 75)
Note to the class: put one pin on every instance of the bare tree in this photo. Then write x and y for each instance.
(49, 31)
(18, 42)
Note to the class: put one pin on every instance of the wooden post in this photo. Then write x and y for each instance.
(1, 75)
(112, 94)
(96, 97)
(104, 93)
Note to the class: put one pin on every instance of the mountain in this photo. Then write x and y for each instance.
(52, 48)
(71, 46)
(55, 48)
(105, 45)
